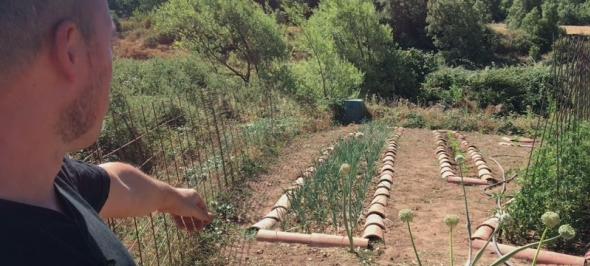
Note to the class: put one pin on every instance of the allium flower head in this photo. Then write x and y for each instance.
(567, 232)
(345, 168)
(459, 158)
(550, 219)
(451, 220)
(406, 215)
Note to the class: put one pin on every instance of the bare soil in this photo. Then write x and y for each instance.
(417, 186)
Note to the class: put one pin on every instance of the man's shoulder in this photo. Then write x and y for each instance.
(73, 168)
(88, 181)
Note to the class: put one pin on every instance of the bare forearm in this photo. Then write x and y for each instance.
(133, 193)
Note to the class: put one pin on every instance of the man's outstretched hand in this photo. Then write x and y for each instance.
(133, 193)
(188, 210)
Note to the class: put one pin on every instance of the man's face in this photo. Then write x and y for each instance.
(80, 122)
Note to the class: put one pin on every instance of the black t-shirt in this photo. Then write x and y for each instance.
(31, 235)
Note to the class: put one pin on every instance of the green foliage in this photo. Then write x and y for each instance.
(324, 78)
(327, 79)
(237, 36)
(515, 87)
(499, 9)
(331, 193)
(542, 27)
(408, 19)
(558, 179)
(519, 10)
(574, 12)
(513, 42)
(539, 20)
(351, 30)
(458, 28)
(569, 12)
(414, 120)
(159, 76)
(419, 64)
(126, 8)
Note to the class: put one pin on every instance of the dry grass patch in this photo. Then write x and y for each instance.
(581, 30)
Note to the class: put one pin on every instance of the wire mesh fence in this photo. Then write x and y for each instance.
(567, 105)
(557, 177)
(201, 140)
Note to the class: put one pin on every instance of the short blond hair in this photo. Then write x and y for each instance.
(26, 26)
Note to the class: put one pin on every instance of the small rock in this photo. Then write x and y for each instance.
(260, 251)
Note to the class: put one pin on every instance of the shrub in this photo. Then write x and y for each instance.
(325, 77)
(159, 76)
(458, 28)
(511, 42)
(237, 36)
(356, 35)
(558, 179)
(515, 87)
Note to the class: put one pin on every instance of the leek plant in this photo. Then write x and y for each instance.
(334, 193)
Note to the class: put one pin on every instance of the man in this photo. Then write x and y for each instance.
(55, 73)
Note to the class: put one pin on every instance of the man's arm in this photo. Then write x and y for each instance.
(133, 193)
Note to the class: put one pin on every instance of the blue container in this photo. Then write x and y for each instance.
(355, 111)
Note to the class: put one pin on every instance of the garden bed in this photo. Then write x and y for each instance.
(329, 197)
(460, 161)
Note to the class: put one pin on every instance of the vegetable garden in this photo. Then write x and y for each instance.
(333, 196)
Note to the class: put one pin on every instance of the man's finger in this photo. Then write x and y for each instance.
(201, 214)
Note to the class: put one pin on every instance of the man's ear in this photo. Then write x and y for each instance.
(68, 45)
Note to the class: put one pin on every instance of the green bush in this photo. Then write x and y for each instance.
(325, 77)
(236, 36)
(512, 42)
(159, 76)
(558, 179)
(515, 87)
(458, 28)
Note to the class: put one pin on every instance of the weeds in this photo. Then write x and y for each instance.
(460, 119)
(456, 150)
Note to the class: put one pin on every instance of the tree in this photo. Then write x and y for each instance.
(238, 35)
(324, 76)
(360, 39)
(125, 8)
(499, 9)
(459, 30)
(519, 10)
(541, 24)
(407, 18)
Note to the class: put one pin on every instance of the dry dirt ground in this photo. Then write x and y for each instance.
(417, 185)
(577, 30)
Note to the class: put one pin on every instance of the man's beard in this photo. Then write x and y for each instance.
(79, 117)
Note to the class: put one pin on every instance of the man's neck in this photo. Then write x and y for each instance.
(28, 174)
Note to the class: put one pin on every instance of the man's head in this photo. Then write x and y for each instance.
(56, 60)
